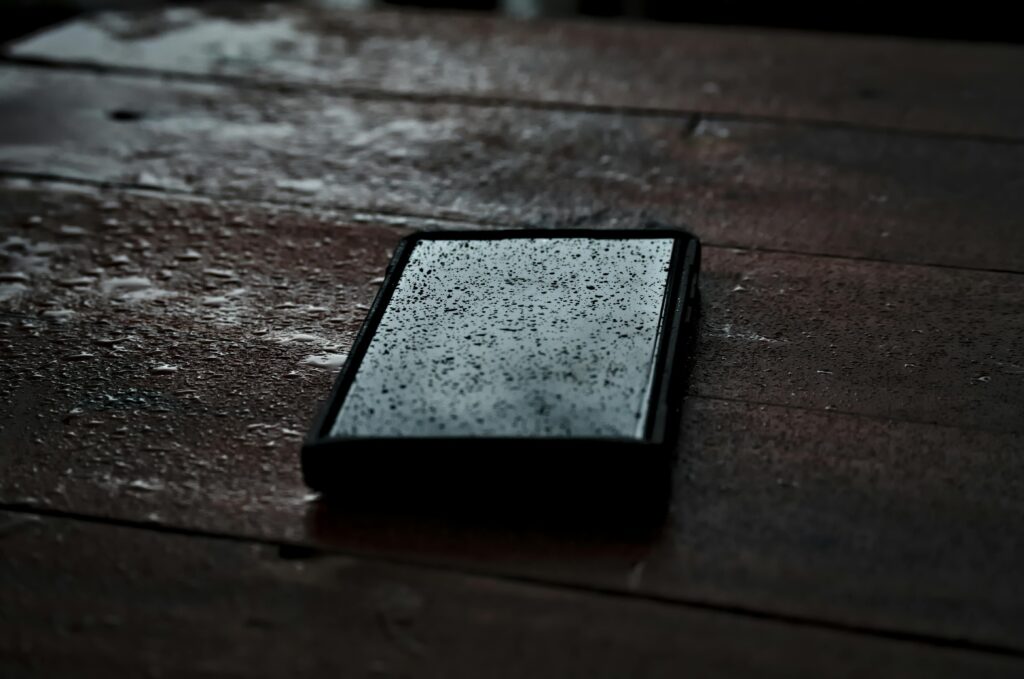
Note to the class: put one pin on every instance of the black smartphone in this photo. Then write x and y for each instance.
(512, 366)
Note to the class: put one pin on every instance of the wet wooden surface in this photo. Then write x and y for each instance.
(913, 85)
(184, 263)
(833, 191)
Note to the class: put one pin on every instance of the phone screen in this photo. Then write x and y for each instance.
(514, 337)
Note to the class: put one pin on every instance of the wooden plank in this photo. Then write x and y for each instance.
(93, 600)
(905, 343)
(938, 87)
(913, 343)
(863, 521)
(837, 192)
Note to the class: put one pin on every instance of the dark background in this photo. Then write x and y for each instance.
(953, 20)
(956, 20)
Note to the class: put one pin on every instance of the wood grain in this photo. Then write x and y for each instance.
(163, 365)
(929, 86)
(835, 192)
(93, 600)
(849, 472)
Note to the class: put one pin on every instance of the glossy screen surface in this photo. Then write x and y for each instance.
(515, 337)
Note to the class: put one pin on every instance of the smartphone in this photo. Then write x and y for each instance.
(516, 365)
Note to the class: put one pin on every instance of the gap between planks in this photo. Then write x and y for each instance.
(399, 218)
(481, 101)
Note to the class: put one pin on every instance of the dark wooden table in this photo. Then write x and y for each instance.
(195, 208)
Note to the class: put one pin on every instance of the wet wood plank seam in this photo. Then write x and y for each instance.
(354, 93)
(296, 550)
(764, 185)
(356, 215)
(397, 217)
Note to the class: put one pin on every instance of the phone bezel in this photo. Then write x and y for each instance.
(324, 456)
